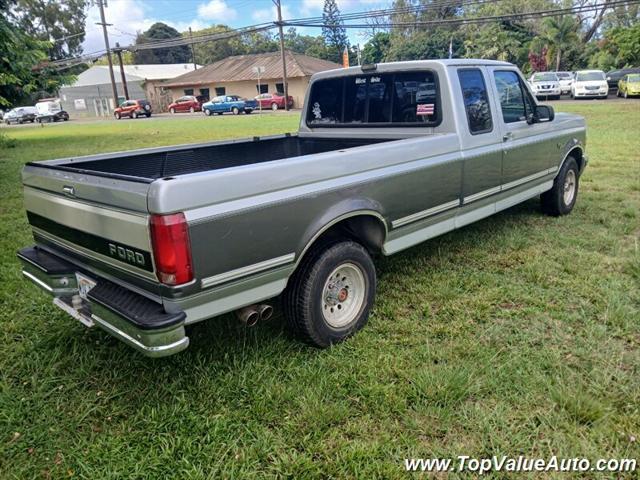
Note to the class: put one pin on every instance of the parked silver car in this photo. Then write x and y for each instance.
(143, 243)
(545, 85)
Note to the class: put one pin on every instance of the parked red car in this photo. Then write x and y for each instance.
(274, 101)
(133, 109)
(188, 103)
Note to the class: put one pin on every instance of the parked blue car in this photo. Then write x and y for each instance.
(229, 103)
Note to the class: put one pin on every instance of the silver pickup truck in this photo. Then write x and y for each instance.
(145, 242)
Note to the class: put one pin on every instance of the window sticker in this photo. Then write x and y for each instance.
(425, 109)
(316, 111)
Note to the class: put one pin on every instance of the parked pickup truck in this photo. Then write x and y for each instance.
(146, 242)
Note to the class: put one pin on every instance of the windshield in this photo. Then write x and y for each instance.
(590, 76)
(545, 77)
(633, 79)
(563, 75)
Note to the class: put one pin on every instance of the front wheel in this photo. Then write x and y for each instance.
(235, 110)
(207, 112)
(274, 106)
(191, 110)
(564, 193)
(626, 94)
(329, 297)
(117, 115)
(172, 110)
(134, 115)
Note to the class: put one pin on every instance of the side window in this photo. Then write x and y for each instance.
(512, 98)
(476, 100)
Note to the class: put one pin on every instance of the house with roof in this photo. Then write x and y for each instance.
(238, 75)
(91, 95)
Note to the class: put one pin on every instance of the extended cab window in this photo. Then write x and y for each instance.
(476, 100)
(376, 99)
(514, 100)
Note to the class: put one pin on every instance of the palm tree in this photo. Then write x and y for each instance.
(559, 32)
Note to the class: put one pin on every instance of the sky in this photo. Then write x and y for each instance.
(131, 16)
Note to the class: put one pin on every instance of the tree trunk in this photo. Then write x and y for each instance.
(558, 57)
(596, 23)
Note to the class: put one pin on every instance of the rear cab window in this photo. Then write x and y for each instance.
(404, 99)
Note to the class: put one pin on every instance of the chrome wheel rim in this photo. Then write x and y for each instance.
(569, 187)
(343, 295)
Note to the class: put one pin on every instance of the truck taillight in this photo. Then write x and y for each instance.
(171, 248)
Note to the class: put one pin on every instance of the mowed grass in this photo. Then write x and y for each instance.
(518, 335)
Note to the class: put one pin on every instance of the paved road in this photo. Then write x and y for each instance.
(155, 116)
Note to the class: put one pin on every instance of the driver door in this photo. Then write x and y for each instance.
(525, 152)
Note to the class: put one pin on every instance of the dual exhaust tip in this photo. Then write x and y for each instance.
(252, 314)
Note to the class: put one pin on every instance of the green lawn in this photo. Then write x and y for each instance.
(517, 335)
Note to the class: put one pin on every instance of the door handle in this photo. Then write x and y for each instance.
(507, 136)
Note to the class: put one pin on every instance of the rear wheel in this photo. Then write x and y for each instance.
(235, 110)
(331, 293)
(248, 111)
(134, 115)
(274, 106)
(148, 115)
(117, 115)
(564, 193)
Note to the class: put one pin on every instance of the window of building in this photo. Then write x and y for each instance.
(188, 91)
(515, 101)
(476, 100)
(401, 99)
(262, 88)
(220, 91)
(280, 88)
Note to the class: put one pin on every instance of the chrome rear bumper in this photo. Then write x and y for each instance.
(126, 315)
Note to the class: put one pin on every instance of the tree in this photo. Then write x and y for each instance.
(335, 35)
(376, 49)
(306, 44)
(560, 32)
(161, 31)
(22, 71)
(622, 46)
(60, 22)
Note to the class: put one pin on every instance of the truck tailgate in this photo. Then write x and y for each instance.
(66, 211)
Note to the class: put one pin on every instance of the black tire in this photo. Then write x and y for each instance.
(117, 115)
(274, 106)
(134, 115)
(191, 110)
(555, 202)
(207, 112)
(148, 115)
(172, 110)
(304, 302)
(235, 110)
(248, 112)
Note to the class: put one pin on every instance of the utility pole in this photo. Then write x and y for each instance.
(282, 54)
(106, 46)
(118, 52)
(193, 50)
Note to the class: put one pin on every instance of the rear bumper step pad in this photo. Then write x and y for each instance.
(136, 320)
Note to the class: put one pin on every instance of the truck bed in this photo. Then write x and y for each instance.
(149, 165)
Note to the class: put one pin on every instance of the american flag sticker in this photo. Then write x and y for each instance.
(425, 109)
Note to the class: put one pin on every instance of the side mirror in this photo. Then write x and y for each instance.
(544, 113)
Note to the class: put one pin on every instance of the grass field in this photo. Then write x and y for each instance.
(517, 335)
